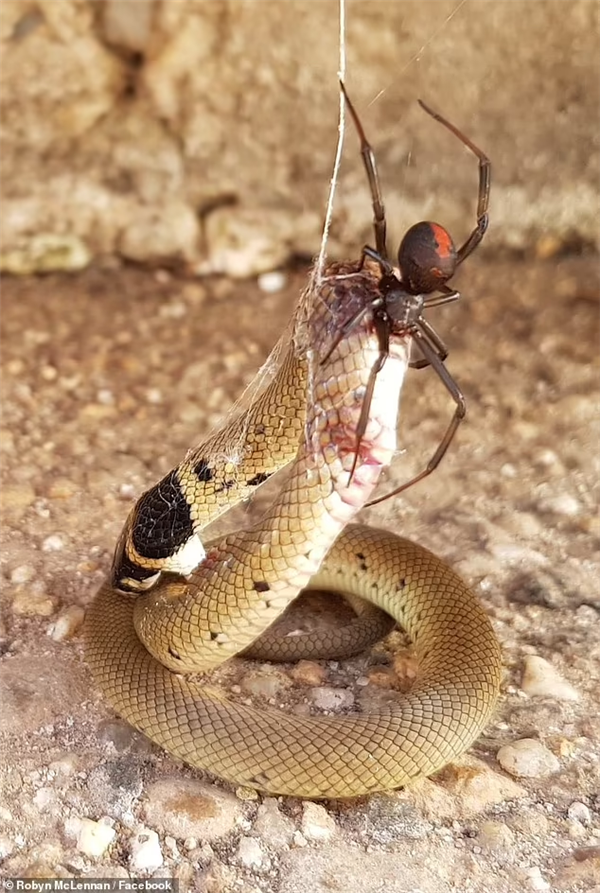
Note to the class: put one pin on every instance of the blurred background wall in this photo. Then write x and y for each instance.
(203, 132)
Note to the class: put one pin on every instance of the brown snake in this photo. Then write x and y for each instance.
(247, 579)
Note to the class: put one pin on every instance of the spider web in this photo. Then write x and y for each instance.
(294, 335)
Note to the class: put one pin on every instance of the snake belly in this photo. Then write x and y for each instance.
(140, 644)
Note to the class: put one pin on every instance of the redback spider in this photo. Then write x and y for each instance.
(427, 260)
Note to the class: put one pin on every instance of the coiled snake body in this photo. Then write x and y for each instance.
(139, 645)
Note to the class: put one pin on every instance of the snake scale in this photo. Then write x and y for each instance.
(144, 631)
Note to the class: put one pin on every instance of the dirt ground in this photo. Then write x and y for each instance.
(109, 376)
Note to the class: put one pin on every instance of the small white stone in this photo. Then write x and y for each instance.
(579, 812)
(317, 824)
(67, 624)
(171, 845)
(146, 854)
(154, 395)
(22, 574)
(527, 758)
(105, 397)
(535, 879)
(271, 282)
(53, 543)
(6, 847)
(562, 504)
(299, 839)
(328, 698)
(249, 852)
(541, 679)
(44, 798)
(94, 838)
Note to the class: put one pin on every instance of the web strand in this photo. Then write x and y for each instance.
(317, 272)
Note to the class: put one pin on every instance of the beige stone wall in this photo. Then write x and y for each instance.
(204, 131)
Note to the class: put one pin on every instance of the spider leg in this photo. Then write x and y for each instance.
(346, 328)
(436, 343)
(386, 267)
(448, 296)
(381, 323)
(379, 223)
(485, 179)
(459, 413)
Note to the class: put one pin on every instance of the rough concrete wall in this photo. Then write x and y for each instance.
(204, 131)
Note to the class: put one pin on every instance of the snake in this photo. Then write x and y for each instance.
(174, 608)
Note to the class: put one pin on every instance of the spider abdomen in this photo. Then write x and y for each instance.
(427, 257)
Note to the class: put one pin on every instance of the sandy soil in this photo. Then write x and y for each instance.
(109, 376)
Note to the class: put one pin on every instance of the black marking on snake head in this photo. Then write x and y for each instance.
(213, 636)
(261, 586)
(203, 471)
(401, 585)
(162, 521)
(259, 478)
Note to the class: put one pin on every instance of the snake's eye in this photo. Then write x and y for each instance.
(426, 258)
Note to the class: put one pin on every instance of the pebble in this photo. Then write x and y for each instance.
(45, 799)
(465, 790)
(146, 854)
(183, 808)
(307, 672)
(249, 852)
(7, 846)
(93, 838)
(579, 812)
(24, 573)
(561, 504)
(67, 624)
(265, 685)
(541, 679)
(328, 698)
(317, 824)
(406, 668)
(535, 879)
(171, 845)
(495, 837)
(270, 824)
(383, 677)
(53, 543)
(33, 601)
(527, 758)
(122, 737)
(272, 282)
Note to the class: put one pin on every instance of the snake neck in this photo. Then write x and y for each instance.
(268, 564)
